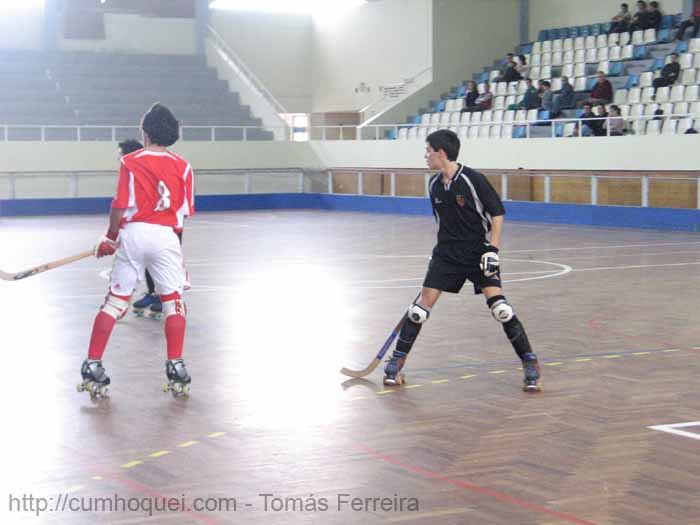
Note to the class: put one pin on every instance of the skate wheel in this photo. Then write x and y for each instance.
(186, 390)
(80, 387)
(401, 379)
(166, 387)
(103, 391)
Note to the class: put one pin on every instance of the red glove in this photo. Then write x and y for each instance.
(106, 245)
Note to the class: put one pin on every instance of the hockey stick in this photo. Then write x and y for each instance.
(387, 344)
(44, 267)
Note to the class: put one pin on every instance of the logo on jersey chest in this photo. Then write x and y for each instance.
(460, 200)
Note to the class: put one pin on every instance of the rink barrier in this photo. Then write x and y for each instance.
(581, 214)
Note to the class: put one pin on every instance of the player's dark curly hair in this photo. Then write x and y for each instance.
(161, 125)
(445, 140)
(129, 146)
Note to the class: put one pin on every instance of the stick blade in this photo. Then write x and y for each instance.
(361, 373)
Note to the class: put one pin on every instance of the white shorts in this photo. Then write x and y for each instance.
(147, 246)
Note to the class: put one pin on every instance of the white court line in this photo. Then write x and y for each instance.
(634, 266)
(193, 222)
(673, 429)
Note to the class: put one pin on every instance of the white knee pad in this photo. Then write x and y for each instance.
(418, 313)
(115, 307)
(174, 307)
(502, 311)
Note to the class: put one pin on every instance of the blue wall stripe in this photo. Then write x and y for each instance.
(612, 216)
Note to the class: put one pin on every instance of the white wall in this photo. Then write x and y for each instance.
(620, 153)
(378, 43)
(140, 34)
(547, 14)
(22, 28)
(278, 50)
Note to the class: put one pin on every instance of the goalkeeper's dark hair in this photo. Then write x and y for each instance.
(445, 140)
(161, 125)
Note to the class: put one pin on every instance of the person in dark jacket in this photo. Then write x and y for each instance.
(693, 21)
(531, 98)
(564, 99)
(650, 18)
(669, 74)
(509, 71)
(621, 22)
(471, 95)
(598, 126)
(602, 91)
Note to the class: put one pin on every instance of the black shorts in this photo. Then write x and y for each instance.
(450, 277)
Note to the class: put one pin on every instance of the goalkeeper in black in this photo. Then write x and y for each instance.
(466, 208)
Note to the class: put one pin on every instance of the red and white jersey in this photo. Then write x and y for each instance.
(155, 187)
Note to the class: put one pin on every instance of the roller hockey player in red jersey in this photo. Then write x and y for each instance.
(154, 193)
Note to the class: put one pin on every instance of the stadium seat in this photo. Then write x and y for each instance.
(681, 47)
(580, 70)
(557, 58)
(546, 72)
(476, 118)
(653, 127)
(686, 60)
(465, 117)
(624, 111)
(694, 45)
(568, 44)
(638, 38)
(640, 52)
(613, 39)
(579, 43)
(636, 110)
(484, 132)
(632, 81)
(669, 127)
(495, 132)
(425, 119)
(568, 57)
(556, 84)
(579, 56)
(510, 101)
(627, 52)
(497, 116)
(667, 22)
(650, 109)
(507, 131)
(535, 73)
(590, 42)
(509, 117)
(412, 134)
(677, 94)
(537, 47)
(603, 54)
(445, 119)
(486, 117)
(435, 119)
(667, 108)
(601, 41)
(684, 124)
(691, 94)
(568, 71)
(455, 118)
(649, 36)
(688, 77)
(533, 113)
(546, 59)
(501, 89)
(645, 79)
(557, 46)
(620, 97)
(591, 56)
(474, 132)
(680, 108)
(499, 103)
(520, 116)
(634, 96)
(664, 36)
(580, 84)
(547, 46)
(663, 94)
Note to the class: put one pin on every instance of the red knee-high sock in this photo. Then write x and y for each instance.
(101, 331)
(175, 335)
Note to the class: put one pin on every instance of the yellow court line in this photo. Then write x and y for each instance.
(131, 464)
(188, 444)
(468, 376)
(671, 350)
(382, 392)
(412, 386)
(493, 372)
(641, 353)
(159, 454)
(556, 363)
(584, 359)
(440, 381)
(97, 478)
(357, 398)
(215, 435)
(614, 356)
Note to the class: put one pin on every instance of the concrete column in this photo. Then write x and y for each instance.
(524, 7)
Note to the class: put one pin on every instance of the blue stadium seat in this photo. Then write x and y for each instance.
(585, 31)
(484, 77)
(461, 91)
(590, 82)
(440, 106)
(519, 132)
(559, 130)
(596, 29)
(657, 64)
(617, 68)
(416, 119)
(677, 19)
(526, 49)
(664, 36)
(667, 22)
(682, 47)
(640, 52)
(544, 35)
(573, 32)
(632, 81)
(605, 28)
(544, 114)
(391, 134)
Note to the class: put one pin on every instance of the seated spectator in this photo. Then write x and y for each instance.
(531, 98)
(658, 114)
(669, 74)
(522, 68)
(616, 124)
(509, 72)
(639, 16)
(690, 131)
(586, 125)
(564, 99)
(483, 102)
(598, 126)
(547, 96)
(694, 21)
(602, 91)
(621, 21)
(650, 18)
(471, 95)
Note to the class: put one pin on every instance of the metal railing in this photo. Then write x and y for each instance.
(643, 190)
(91, 133)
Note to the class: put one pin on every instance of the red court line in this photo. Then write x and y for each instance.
(149, 491)
(469, 486)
